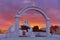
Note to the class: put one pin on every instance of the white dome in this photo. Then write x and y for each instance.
(12, 28)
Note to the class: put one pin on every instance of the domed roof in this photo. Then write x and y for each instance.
(12, 28)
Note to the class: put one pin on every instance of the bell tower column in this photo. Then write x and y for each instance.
(17, 26)
(48, 27)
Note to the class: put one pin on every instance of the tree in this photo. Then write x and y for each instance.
(0, 31)
(35, 29)
(53, 29)
(24, 27)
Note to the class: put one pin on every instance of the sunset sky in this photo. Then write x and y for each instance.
(9, 8)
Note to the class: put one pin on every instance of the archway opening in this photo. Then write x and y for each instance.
(34, 18)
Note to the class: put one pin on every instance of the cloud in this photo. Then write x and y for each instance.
(26, 1)
(54, 15)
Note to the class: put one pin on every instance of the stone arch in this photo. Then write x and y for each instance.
(38, 10)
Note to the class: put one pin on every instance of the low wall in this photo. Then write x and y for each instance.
(32, 38)
(3, 36)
